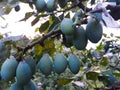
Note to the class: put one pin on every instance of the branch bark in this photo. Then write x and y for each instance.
(39, 41)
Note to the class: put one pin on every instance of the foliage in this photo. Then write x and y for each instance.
(59, 59)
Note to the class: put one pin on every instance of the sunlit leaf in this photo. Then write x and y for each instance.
(104, 61)
(117, 37)
(44, 26)
(63, 81)
(38, 49)
(92, 76)
(37, 29)
(84, 2)
(100, 46)
(7, 9)
(1, 36)
(117, 74)
(49, 46)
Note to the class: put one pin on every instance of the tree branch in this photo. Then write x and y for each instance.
(39, 41)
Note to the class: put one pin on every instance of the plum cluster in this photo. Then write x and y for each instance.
(22, 71)
(59, 64)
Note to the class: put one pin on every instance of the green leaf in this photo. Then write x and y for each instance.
(68, 15)
(99, 47)
(38, 49)
(92, 76)
(49, 46)
(110, 77)
(117, 37)
(35, 21)
(63, 81)
(104, 61)
(37, 29)
(92, 2)
(7, 9)
(27, 16)
(56, 21)
(1, 36)
(116, 74)
(103, 79)
(44, 26)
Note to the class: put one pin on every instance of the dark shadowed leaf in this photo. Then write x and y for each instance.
(104, 22)
(63, 81)
(103, 79)
(56, 21)
(92, 76)
(44, 26)
(31, 5)
(34, 21)
(92, 2)
(67, 16)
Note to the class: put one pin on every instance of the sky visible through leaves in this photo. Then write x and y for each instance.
(14, 27)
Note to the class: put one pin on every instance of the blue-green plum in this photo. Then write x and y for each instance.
(60, 63)
(45, 64)
(30, 86)
(66, 26)
(16, 86)
(74, 63)
(8, 69)
(23, 73)
(40, 5)
(32, 64)
(51, 5)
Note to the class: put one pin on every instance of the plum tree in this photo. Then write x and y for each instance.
(60, 52)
